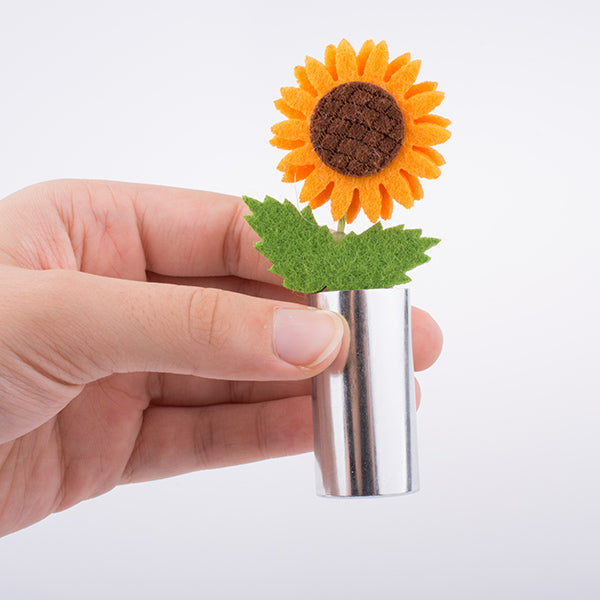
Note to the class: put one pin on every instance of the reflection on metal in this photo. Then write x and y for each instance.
(364, 405)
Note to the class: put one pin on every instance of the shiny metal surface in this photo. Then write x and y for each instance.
(364, 413)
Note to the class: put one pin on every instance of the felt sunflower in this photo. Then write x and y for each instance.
(360, 131)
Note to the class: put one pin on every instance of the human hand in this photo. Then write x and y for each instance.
(142, 336)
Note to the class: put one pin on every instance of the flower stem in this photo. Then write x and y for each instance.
(339, 234)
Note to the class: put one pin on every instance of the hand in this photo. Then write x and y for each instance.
(142, 336)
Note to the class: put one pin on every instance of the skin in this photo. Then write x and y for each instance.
(126, 351)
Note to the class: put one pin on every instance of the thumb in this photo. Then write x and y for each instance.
(101, 326)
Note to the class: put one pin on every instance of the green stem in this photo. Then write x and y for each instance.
(339, 234)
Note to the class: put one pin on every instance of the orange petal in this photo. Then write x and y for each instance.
(424, 86)
(398, 188)
(341, 197)
(404, 77)
(292, 129)
(395, 65)
(284, 144)
(428, 134)
(433, 154)
(345, 61)
(305, 155)
(314, 185)
(321, 198)
(423, 103)
(417, 163)
(434, 119)
(414, 184)
(370, 200)
(363, 55)
(330, 60)
(377, 63)
(298, 99)
(354, 208)
(288, 111)
(303, 82)
(318, 75)
(387, 204)
(294, 174)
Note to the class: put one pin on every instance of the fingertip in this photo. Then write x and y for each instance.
(307, 338)
(336, 360)
(427, 338)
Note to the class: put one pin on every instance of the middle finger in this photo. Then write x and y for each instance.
(168, 389)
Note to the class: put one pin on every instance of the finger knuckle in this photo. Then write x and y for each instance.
(207, 321)
(204, 443)
(232, 241)
(262, 431)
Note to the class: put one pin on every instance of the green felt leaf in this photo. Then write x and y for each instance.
(309, 259)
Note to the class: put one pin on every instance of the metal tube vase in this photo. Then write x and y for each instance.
(364, 410)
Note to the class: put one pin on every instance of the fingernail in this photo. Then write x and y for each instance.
(306, 337)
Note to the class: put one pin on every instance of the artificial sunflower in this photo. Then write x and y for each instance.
(359, 131)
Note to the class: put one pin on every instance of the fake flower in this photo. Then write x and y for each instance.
(360, 131)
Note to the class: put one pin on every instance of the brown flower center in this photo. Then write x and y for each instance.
(357, 128)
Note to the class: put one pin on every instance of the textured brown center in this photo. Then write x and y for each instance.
(357, 128)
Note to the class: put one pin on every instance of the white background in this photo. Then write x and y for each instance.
(180, 93)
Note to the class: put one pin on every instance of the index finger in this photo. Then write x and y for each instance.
(189, 233)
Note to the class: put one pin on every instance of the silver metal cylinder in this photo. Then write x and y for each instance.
(364, 410)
